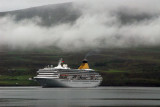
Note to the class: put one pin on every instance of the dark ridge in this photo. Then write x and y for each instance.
(49, 14)
(127, 16)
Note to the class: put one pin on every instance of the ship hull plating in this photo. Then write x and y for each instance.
(49, 82)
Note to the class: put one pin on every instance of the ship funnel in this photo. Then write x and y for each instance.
(84, 64)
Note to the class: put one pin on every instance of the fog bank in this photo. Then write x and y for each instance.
(101, 24)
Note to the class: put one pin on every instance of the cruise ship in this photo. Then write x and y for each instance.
(63, 76)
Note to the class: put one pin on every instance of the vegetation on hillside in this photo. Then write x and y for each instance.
(119, 67)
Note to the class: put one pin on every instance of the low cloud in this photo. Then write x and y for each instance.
(102, 24)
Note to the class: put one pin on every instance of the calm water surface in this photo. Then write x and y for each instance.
(80, 97)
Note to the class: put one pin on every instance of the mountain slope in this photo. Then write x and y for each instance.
(49, 14)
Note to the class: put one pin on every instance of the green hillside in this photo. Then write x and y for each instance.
(119, 67)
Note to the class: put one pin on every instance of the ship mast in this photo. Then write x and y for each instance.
(60, 62)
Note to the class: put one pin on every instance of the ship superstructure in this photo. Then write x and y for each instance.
(63, 76)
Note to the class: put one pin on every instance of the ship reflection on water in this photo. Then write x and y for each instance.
(80, 97)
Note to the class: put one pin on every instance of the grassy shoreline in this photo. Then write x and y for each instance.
(110, 78)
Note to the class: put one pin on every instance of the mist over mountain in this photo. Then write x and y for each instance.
(119, 38)
(83, 25)
(49, 14)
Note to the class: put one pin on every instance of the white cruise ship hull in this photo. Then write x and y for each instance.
(52, 82)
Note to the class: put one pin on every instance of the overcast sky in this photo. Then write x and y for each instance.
(8, 5)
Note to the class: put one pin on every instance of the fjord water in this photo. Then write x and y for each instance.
(81, 97)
